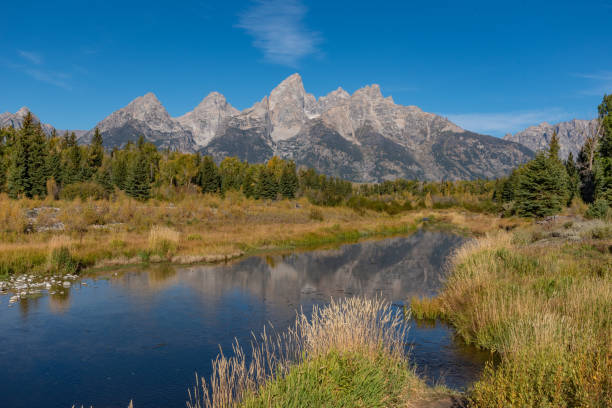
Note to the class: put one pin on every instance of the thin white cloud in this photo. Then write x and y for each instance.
(278, 29)
(600, 83)
(501, 123)
(34, 68)
(32, 57)
(53, 78)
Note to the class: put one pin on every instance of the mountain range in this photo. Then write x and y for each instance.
(572, 135)
(363, 137)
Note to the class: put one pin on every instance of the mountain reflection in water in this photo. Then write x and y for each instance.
(142, 333)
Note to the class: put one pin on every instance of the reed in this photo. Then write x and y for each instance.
(163, 240)
(543, 303)
(356, 341)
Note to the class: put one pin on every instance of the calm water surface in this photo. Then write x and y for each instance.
(141, 334)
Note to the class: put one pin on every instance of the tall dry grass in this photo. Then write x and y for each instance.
(369, 327)
(164, 240)
(545, 306)
(125, 231)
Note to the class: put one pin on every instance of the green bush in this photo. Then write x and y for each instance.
(83, 190)
(599, 209)
(337, 380)
(61, 261)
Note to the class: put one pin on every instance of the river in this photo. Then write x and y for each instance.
(142, 333)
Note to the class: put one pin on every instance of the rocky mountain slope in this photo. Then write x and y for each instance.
(15, 120)
(362, 137)
(572, 135)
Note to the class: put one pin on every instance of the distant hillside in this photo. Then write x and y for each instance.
(361, 137)
(572, 135)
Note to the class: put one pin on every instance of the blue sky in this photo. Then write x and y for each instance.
(492, 67)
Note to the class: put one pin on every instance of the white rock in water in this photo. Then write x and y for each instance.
(66, 284)
(14, 299)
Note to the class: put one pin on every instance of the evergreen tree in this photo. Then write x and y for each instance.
(104, 176)
(586, 158)
(119, 168)
(288, 183)
(95, 156)
(553, 146)
(266, 186)
(605, 121)
(37, 162)
(573, 177)
(603, 161)
(17, 175)
(72, 172)
(54, 165)
(208, 176)
(542, 187)
(137, 183)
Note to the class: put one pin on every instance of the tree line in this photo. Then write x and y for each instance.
(546, 184)
(34, 165)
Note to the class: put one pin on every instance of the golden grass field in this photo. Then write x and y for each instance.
(540, 297)
(196, 229)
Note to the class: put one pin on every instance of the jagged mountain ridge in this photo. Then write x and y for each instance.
(572, 135)
(15, 120)
(362, 137)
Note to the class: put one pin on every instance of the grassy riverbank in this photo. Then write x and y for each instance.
(540, 297)
(58, 237)
(350, 353)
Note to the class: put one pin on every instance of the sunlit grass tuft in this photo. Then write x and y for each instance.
(349, 353)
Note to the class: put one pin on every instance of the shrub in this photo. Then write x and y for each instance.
(315, 214)
(599, 209)
(61, 261)
(163, 240)
(83, 190)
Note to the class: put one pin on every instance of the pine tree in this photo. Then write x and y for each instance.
(542, 187)
(72, 172)
(37, 162)
(553, 146)
(137, 183)
(119, 169)
(266, 186)
(104, 176)
(605, 121)
(573, 177)
(208, 176)
(96, 150)
(54, 166)
(603, 161)
(17, 175)
(288, 183)
(586, 158)
(95, 155)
